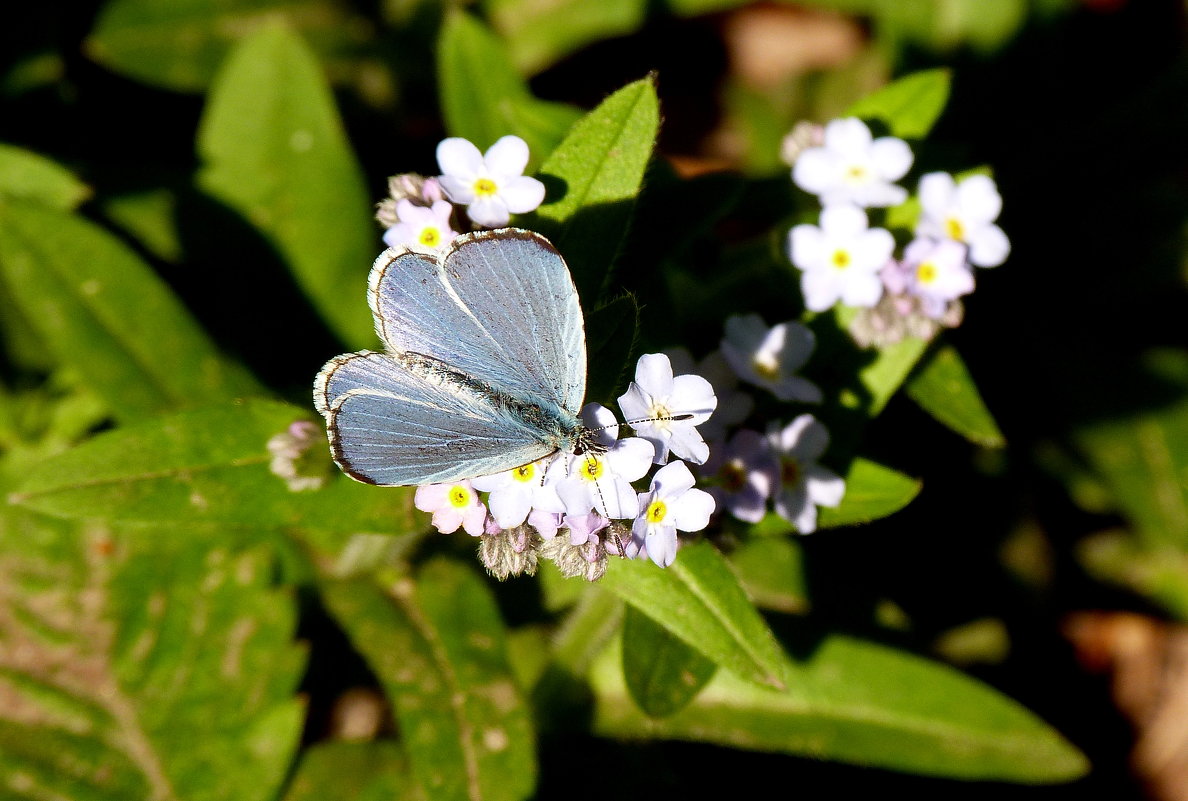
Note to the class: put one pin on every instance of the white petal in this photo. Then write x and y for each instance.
(459, 190)
(806, 520)
(842, 222)
(806, 245)
(507, 157)
(816, 170)
(798, 344)
(634, 404)
(795, 388)
(881, 195)
(672, 480)
(489, 211)
(661, 543)
(978, 199)
(686, 443)
(692, 394)
(790, 503)
(631, 458)
(825, 487)
(821, 289)
(936, 193)
(809, 439)
(653, 373)
(510, 507)
(862, 290)
(691, 512)
(849, 137)
(871, 250)
(522, 194)
(989, 246)
(892, 157)
(459, 158)
(614, 498)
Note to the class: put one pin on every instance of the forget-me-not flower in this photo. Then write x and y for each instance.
(656, 397)
(840, 259)
(670, 503)
(492, 186)
(964, 211)
(427, 226)
(770, 357)
(804, 484)
(602, 481)
(852, 167)
(453, 505)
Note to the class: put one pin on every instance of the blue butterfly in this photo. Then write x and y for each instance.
(485, 367)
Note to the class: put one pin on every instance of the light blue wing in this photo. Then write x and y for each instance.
(389, 426)
(498, 305)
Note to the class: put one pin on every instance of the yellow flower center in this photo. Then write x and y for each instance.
(856, 174)
(459, 496)
(955, 229)
(841, 259)
(592, 468)
(766, 367)
(524, 473)
(660, 416)
(484, 187)
(657, 511)
(430, 237)
(926, 273)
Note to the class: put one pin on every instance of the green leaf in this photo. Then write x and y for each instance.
(25, 175)
(151, 217)
(538, 34)
(142, 666)
(910, 106)
(438, 647)
(179, 44)
(1159, 574)
(882, 371)
(862, 703)
(209, 466)
(771, 570)
(353, 771)
(275, 150)
(101, 310)
(662, 673)
(699, 600)
(593, 178)
(943, 387)
(483, 96)
(872, 492)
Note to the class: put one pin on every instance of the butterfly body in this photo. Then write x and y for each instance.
(484, 370)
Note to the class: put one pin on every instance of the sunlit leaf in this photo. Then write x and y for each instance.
(699, 600)
(275, 150)
(910, 106)
(437, 646)
(353, 771)
(104, 312)
(662, 673)
(944, 388)
(25, 175)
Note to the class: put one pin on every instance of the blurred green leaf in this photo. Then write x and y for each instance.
(943, 387)
(699, 600)
(771, 570)
(910, 106)
(662, 673)
(275, 150)
(600, 167)
(862, 703)
(611, 331)
(538, 34)
(881, 376)
(25, 175)
(209, 466)
(483, 96)
(142, 666)
(151, 217)
(180, 44)
(101, 310)
(1159, 574)
(438, 647)
(353, 771)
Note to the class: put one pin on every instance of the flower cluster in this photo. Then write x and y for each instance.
(567, 507)
(843, 258)
(492, 186)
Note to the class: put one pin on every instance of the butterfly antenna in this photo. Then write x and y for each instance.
(665, 418)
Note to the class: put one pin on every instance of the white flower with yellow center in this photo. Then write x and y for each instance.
(770, 357)
(426, 226)
(852, 167)
(602, 480)
(965, 212)
(671, 503)
(937, 273)
(492, 185)
(840, 259)
(452, 504)
(665, 409)
(516, 492)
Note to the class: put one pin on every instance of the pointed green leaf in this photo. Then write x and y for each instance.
(179, 44)
(1159, 574)
(910, 106)
(943, 387)
(353, 771)
(104, 312)
(538, 34)
(142, 666)
(209, 466)
(862, 703)
(483, 97)
(699, 600)
(593, 178)
(275, 150)
(662, 673)
(26, 175)
(438, 647)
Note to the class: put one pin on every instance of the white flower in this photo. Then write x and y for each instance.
(936, 273)
(452, 506)
(602, 481)
(672, 503)
(655, 397)
(493, 185)
(841, 259)
(805, 485)
(851, 168)
(428, 226)
(964, 212)
(516, 492)
(770, 357)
